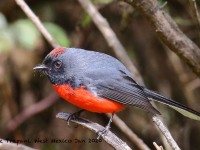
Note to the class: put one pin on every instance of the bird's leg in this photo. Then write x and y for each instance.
(106, 129)
(74, 115)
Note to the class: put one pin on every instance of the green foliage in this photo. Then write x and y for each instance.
(86, 20)
(49, 147)
(3, 21)
(102, 1)
(25, 34)
(184, 22)
(6, 41)
(58, 33)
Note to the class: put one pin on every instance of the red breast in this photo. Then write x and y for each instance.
(86, 100)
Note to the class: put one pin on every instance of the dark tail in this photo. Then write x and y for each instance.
(188, 112)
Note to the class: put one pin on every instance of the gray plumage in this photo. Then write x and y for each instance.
(106, 77)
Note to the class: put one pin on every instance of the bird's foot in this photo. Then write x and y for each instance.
(103, 132)
(106, 129)
(75, 115)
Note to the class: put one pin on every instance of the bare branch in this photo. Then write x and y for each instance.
(195, 12)
(37, 22)
(110, 36)
(169, 32)
(157, 147)
(110, 137)
(129, 133)
(31, 111)
(6, 145)
(165, 132)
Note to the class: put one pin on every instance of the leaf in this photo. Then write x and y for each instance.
(86, 20)
(25, 34)
(6, 41)
(3, 21)
(102, 1)
(58, 33)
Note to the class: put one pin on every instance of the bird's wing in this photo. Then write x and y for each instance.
(123, 91)
(120, 87)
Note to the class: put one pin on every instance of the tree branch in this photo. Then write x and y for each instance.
(169, 32)
(31, 111)
(37, 22)
(195, 12)
(129, 133)
(157, 147)
(110, 137)
(165, 132)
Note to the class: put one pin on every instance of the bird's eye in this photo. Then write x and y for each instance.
(57, 64)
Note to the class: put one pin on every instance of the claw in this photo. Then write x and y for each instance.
(74, 116)
(106, 129)
(103, 132)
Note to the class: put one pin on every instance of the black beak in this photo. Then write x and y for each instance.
(40, 67)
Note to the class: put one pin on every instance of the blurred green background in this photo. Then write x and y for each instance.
(22, 47)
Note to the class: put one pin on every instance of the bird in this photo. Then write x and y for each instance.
(100, 83)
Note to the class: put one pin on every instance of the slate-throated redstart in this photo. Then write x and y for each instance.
(100, 83)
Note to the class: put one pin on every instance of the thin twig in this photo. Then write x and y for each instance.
(31, 111)
(111, 38)
(165, 132)
(157, 147)
(195, 12)
(109, 137)
(37, 22)
(139, 143)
